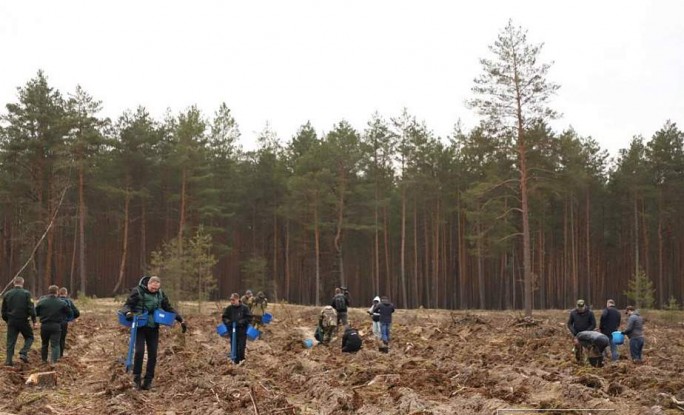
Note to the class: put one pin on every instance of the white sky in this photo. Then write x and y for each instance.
(620, 64)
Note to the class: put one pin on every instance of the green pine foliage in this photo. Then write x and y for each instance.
(640, 290)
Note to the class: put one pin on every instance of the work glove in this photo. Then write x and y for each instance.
(129, 316)
(184, 327)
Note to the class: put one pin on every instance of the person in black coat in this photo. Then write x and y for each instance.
(581, 319)
(610, 322)
(239, 314)
(351, 341)
(385, 309)
(52, 313)
(63, 295)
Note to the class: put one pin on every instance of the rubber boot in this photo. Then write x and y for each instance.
(136, 382)
(146, 385)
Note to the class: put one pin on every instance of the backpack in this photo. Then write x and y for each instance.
(340, 303)
(329, 317)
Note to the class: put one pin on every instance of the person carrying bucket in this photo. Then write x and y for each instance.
(146, 298)
(239, 314)
(259, 309)
(610, 322)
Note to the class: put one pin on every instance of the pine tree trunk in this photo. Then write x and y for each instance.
(81, 230)
(124, 243)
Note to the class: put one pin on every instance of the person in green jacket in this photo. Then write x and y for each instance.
(52, 312)
(145, 298)
(17, 308)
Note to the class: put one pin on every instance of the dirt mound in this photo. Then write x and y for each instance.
(439, 362)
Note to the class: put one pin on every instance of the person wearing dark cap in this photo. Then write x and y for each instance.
(610, 322)
(581, 319)
(237, 313)
(635, 332)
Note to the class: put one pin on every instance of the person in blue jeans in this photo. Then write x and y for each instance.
(385, 308)
(610, 322)
(635, 332)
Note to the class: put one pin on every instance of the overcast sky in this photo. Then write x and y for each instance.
(620, 64)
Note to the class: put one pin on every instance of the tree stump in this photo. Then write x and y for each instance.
(43, 379)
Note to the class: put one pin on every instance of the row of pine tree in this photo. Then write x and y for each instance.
(93, 203)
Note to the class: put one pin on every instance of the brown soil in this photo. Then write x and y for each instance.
(439, 362)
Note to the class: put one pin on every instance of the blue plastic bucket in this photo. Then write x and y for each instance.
(267, 317)
(164, 317)
(252, 333)
(142, 319)
(222, 330)
(308, 343)
(618, 337)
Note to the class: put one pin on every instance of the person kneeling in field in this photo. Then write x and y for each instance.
(351, 341)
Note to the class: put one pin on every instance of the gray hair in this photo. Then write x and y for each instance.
(19, 281)
(153, 279)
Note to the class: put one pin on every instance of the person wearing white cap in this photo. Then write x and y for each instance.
(375, 317)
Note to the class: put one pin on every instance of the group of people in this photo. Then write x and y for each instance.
(335, 315)
(55, 311)
(242, 312)
(587, 338)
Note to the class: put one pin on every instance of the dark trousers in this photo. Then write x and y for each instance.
(62, 339)
(636, 345)
(14, 327)
(49, 336)
(241, 345)
(146, 336)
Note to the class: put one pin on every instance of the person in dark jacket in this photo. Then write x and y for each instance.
(17, 308)
(340, 303)
(595, 343)
(610, 322)
(351, 341)
(239, 314)
(52, 312)
(146, 298)
(75, 313)
(581, 319)
(385, 308)
(635, 332)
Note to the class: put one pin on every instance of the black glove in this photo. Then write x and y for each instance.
(129, 316)
(184, 327)
(242, 323)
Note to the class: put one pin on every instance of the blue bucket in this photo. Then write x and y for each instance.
(222, 330)
(142, 319)
(164, 317)
(308, 343)
(618, 337)
(267, 317)
(252, 333)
